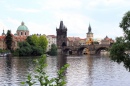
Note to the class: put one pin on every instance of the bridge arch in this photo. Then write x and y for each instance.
(82, 50)
(99, 50)
(67, 51)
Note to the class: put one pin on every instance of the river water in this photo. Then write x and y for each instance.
(83, 71)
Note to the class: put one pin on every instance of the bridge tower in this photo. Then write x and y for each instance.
(61, 36)
(89, 36)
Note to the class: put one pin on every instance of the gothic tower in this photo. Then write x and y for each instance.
(89, 34)
(61, 36)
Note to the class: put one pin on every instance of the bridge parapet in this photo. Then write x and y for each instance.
(91, 48)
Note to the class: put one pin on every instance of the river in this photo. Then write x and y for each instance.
(83, 71)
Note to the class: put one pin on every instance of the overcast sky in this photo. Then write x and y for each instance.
(43, 16)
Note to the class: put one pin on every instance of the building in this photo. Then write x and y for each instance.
(51, 40)
(61, 35)
(21, 35)
(89, 36)
(73, 41)
(22, 30)
(82, 41)
(107, 40)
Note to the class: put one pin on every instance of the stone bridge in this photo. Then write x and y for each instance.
(91, 49)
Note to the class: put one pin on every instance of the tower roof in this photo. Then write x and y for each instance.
(62, 25)
(22, 27)
(89, 29)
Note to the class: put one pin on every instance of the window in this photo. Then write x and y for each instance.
(25, 33)
(21, 33)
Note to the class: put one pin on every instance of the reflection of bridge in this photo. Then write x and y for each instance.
(92, 49)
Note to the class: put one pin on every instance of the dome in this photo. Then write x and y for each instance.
(22, 27)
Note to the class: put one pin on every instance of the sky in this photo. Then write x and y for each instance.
(44, 16)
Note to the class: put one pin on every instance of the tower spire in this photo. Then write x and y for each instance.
(3, 32)
(61, 25)
(89, 28)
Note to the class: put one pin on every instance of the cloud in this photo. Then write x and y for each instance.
(13, 21)
(36, 28)
(60, 4)
(107, 4)
(3, 27)
(27, 10)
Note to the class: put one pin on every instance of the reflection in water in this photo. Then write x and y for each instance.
(61, 60)
(8, 70)
(89, 67)
(83, 71)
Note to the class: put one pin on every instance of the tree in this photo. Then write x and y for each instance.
(53, 50)
(24, 49)
(9, 40)
(34, 40)
(29, 40)
(37, 51)
(122, 44)
(42, 42)
(40, 77)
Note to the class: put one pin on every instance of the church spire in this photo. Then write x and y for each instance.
(3, 32)
(89, 29)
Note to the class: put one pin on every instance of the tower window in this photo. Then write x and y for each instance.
(21, 33)
(25, 33)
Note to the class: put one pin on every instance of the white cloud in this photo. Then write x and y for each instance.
(107, 4)
(35, 28)
(13, 21)
(3, 26)
(61, 4)
(27, 10)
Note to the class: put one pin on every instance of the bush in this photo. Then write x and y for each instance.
(41, 77)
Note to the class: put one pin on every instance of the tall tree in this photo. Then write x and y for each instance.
(34, 39)
(122, 44)
(9, 40)
(42, 42)
(53, 50)
(29, 40)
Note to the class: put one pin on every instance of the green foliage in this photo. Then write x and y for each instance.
(53, 50)
(42, 42)
(37, 51)
(33, 45)
(122, 44)
(24, 49)
(29, 40)
(95, 42)
(3, 51)
(15, 52)
(34, 40)
(42, 78)
(9, 40)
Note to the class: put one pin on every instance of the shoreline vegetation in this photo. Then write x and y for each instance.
(41, 78)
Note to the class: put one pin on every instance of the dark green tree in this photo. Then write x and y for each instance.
(29, 40)
(24, 49)
(53, 50)
(9, 40)
(122, 44)
(37, 51)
